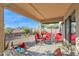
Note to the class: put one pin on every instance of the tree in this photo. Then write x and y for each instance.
(9, 31)
(26, 30)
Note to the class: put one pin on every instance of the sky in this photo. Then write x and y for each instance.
(14, 20)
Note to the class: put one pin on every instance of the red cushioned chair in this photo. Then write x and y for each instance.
(59, 37)
(48, 36)
(58, 52)
(73, 38)
(37, 37)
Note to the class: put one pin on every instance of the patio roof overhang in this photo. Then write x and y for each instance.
(43, 12)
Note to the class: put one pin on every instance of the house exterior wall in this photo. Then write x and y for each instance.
(69, 12)
(77, 19)
(71, 9)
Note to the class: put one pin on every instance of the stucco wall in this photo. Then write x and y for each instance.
(71, 9)
(1, 31)
(77, 19)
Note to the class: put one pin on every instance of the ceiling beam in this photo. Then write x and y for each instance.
(52, 20)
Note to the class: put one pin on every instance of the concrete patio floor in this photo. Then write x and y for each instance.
(38, 49)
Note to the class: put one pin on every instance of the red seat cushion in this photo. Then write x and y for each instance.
(22, 45)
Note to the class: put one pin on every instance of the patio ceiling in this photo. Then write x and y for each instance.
(43, 12)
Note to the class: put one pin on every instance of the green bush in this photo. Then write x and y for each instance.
(26, 30)
(9, 31)
(34, 33)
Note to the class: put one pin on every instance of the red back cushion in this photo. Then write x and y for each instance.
(37, 36)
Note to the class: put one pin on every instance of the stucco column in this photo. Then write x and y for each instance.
(77, 19)
(77, 28)
(1, 30)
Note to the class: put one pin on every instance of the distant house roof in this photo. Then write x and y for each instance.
(17, 31)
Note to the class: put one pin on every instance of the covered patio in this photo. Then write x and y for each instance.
(47, 13)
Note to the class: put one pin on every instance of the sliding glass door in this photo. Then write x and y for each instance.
(70, 27)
